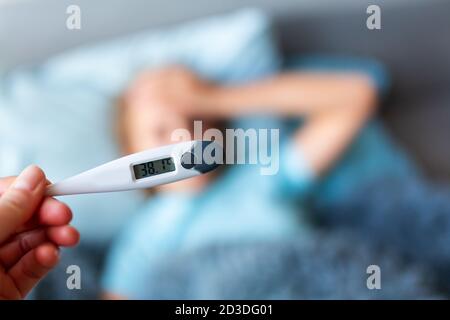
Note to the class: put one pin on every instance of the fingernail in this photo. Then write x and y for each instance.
(29, 179)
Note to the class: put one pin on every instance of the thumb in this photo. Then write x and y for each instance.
(20, 200)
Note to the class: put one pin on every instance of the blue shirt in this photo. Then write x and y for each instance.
(240, 206)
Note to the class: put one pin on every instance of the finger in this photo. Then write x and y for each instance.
(20, 245)
(33, 266)
(64, 236)
(5, 183)
(20, 200)
(54, 213)
(51, 213)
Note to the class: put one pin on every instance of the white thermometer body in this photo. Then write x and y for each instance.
(142, 170)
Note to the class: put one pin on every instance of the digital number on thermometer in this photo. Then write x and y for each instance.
(153, 168)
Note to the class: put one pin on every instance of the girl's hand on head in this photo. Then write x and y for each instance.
(32, 228)
(174, 87)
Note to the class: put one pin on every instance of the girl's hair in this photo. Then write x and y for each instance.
(119, 131)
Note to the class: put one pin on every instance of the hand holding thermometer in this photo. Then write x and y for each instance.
(142, 170)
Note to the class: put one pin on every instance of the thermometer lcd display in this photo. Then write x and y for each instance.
(153, 168)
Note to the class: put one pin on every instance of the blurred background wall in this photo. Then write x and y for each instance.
(32, 29)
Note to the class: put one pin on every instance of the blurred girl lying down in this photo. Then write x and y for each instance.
(238, 205)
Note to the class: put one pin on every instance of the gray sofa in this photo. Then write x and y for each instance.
(414, 44)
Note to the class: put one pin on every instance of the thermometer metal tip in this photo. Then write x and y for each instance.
(145, 169)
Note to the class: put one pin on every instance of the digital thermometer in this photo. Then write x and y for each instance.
(145, 169)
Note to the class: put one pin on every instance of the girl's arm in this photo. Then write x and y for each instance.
(335, 106)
